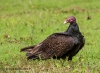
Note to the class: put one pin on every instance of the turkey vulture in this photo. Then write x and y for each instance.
(58, 45)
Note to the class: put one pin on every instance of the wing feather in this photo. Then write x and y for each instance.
(54, 45)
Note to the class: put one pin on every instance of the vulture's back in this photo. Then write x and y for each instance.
(54, 45)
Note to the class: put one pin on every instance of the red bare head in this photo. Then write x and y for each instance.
(71, 20)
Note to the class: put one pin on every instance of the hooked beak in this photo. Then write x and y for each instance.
(65, 22)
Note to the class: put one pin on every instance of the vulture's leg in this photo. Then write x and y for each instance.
(63, 57)
(70, 58)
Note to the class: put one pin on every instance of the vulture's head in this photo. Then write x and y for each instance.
(70, 20)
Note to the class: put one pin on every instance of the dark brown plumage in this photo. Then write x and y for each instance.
(58, 45)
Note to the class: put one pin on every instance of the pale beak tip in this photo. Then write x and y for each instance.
(65, 22)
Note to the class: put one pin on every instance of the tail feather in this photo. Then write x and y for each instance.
(27, 49)
(32, 57)
(32, 52)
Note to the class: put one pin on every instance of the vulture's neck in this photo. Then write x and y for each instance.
(73, 30)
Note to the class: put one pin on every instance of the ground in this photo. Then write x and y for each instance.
(28, 22)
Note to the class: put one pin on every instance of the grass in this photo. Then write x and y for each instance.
(27, 22)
